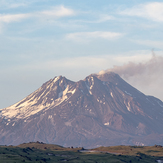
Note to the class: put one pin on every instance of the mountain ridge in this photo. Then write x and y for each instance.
(101, 109)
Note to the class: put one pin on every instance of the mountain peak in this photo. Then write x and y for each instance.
(108, 76)
(58, 78)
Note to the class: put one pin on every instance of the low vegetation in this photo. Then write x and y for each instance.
(156, 150)
(48, 153)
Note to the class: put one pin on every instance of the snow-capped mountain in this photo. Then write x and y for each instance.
(99, 110)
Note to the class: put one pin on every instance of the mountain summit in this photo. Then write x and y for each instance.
(99, 110)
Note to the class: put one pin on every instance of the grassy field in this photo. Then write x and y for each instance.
(156, 150)
(47, 153)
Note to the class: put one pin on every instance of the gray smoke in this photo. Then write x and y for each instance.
(146, 77)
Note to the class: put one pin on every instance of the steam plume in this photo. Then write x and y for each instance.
(147, 76)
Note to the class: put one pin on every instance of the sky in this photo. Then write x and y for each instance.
(41, 39)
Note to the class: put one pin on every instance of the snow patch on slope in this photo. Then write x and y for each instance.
(91, 86)
(111, 94)
(28, 106)
(106, 124)
(128, 93)
(92, 83)
(128, 106)
(56, 79)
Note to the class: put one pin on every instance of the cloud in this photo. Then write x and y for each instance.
(153, 11)
(59, 11)
(83, 36)
(9, 4)
(145, 76)
(8, 18)
(55, 12)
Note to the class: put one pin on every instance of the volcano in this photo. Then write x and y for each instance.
(101, 110)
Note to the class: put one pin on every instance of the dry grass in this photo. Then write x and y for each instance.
(43, 146)
(133, 150)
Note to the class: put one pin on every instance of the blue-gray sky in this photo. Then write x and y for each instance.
(41, 39)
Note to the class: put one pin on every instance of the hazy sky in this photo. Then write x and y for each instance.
(41, 39)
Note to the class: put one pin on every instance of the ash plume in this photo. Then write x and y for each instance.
(147, 76)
